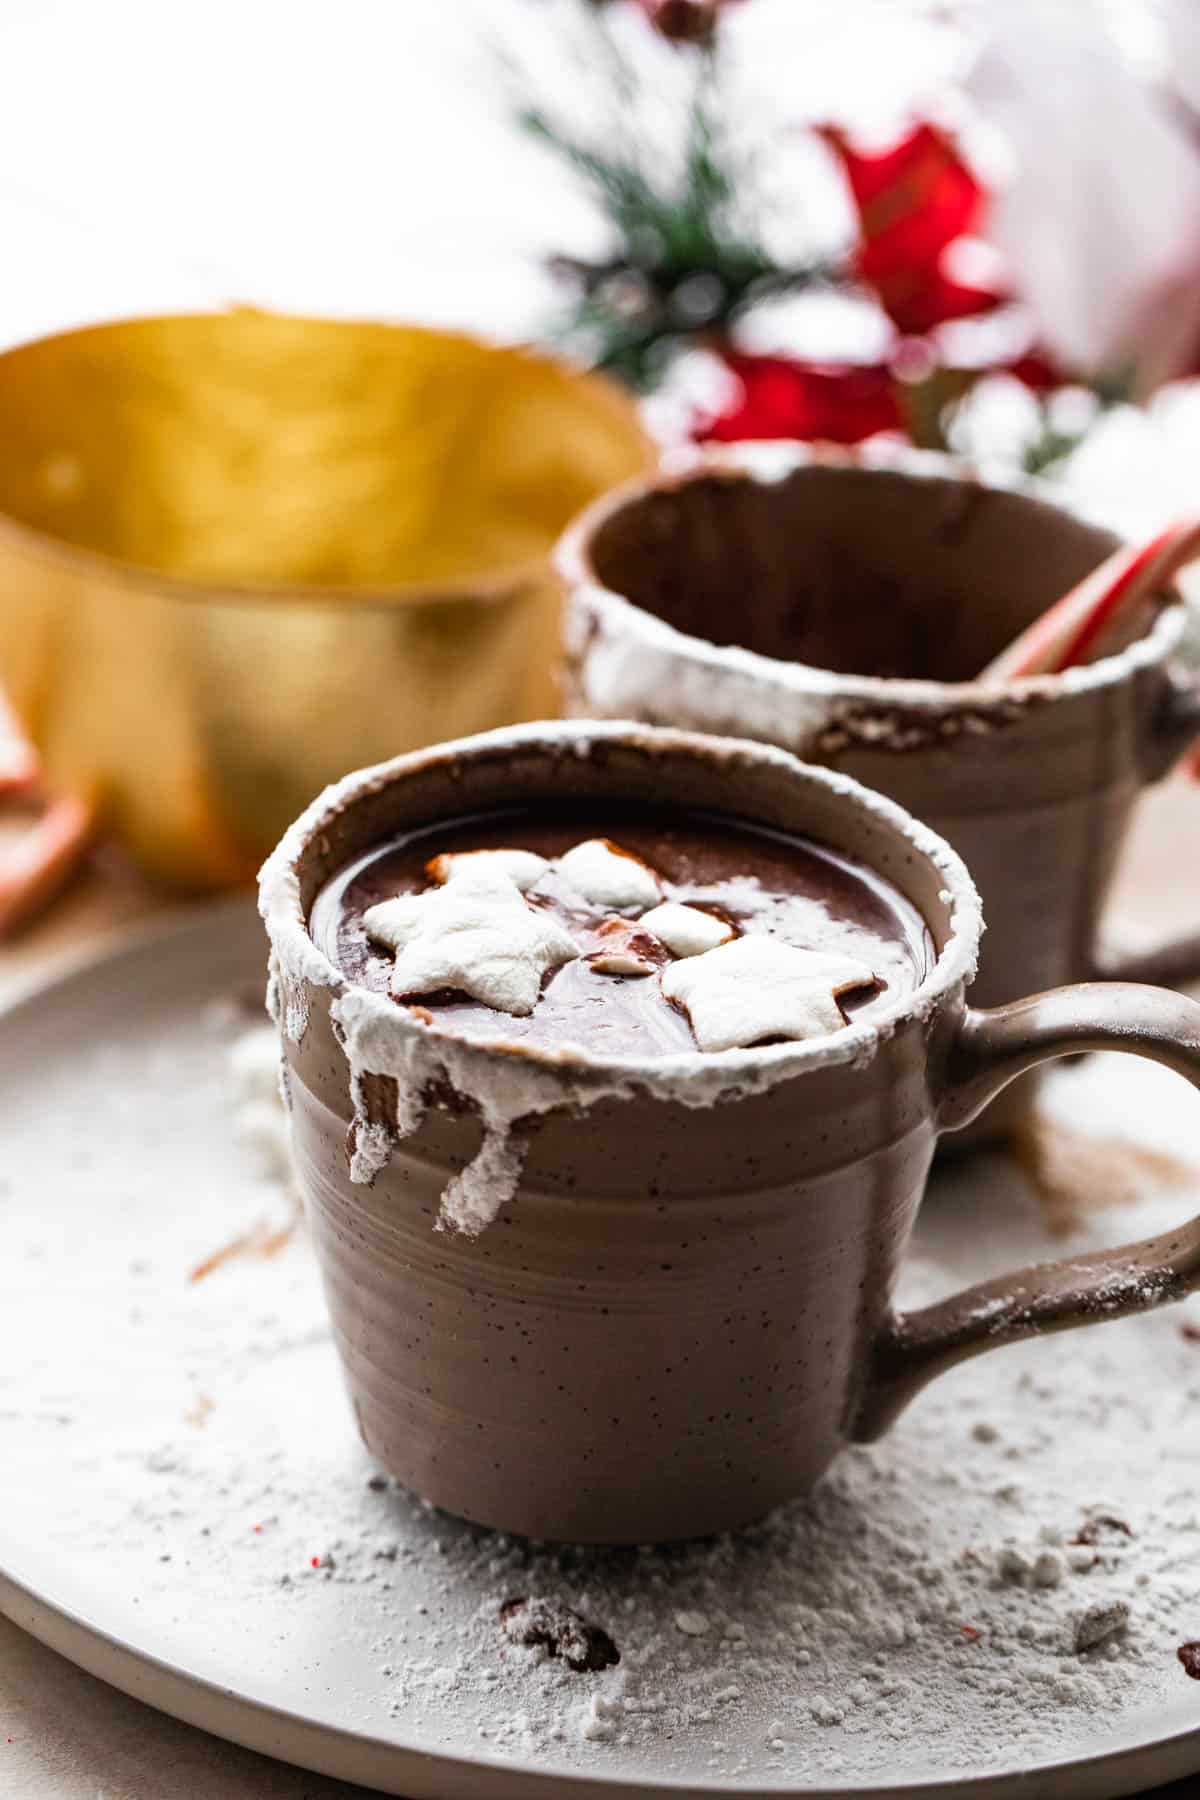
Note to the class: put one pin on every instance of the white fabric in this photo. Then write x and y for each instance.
(759, 988)
(606, 876)
(476, 935)
(686, 930)
(1099, 221)
(523, 867)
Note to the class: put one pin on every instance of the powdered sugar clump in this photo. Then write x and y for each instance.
(260, 1120)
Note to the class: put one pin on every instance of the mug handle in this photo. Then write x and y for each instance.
(1173, 732)
(989, 1049)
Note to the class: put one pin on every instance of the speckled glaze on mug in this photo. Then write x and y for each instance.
(730, 593)
(683, 1311)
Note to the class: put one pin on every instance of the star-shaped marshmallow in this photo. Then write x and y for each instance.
(686, 930)
(606, 875)
(476, 935)
(758, 988)
(523, 867)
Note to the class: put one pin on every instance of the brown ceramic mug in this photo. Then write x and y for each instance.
(683, 1311)
(840, 606)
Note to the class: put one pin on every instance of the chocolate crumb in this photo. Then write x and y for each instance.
(1189, 1656)
(559, 1631)
(1101, 1529)
(1099, 1623)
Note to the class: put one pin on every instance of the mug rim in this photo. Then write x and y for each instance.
(767, 462)
(696, 1077)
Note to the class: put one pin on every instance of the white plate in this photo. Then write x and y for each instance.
(149, 1423)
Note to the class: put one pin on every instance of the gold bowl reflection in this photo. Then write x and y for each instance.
(242, 553)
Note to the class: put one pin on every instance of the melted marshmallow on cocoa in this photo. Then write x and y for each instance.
(478, 936)
(716, 883)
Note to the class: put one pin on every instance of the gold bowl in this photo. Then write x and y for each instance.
(241, 553)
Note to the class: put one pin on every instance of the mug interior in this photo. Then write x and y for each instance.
(873, 572)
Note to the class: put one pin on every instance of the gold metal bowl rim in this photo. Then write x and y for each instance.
(490, 586)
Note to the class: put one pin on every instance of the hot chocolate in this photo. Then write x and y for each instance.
(628, 932)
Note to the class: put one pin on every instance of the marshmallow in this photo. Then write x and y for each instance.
(606, 876)
(686, 930)
(523, 867)
(476, 935)
(626, 949)
(621, 961)
(757, 988)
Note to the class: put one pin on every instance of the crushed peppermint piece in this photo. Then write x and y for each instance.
(523, 867)
(476, 935)
(757, 987)
(687, 930)
(606, 875)
(692, 1624)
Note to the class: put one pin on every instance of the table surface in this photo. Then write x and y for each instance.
(66, 1736)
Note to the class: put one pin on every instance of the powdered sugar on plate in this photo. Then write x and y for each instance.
(1000, 1584)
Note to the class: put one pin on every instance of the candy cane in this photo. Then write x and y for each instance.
(35, 865)
(1066, 631)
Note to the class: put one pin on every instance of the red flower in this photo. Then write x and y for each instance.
(916, 300)
(913, 200)
(1037, 370)
(784, 399)
(685, 21)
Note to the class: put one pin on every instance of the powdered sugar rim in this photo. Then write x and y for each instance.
(388, 1038)
(768, 463)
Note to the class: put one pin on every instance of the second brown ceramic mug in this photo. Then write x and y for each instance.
(682, 1308)
(840, 607)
